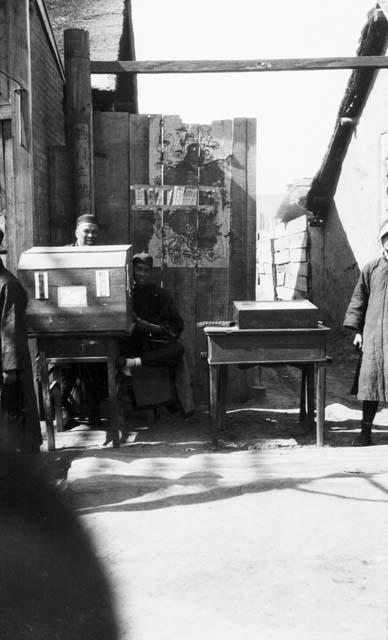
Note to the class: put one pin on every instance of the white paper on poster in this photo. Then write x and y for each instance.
(41, 285)
(74, 296)
(102, 284)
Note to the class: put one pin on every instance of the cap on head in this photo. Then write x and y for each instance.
(86, 217)
(143, 258)
(383, 229)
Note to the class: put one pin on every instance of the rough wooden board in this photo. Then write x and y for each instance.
(216, 143)
(155, 149)
(226, 66)
(182, 284)
(180, 236)
(4, 82)
(251, 208)
(3, 201)
(212, 304)
(139, 149)
(9, 239)
(79, 120)
(144, 225)
(21, 226)
(238, 287)
(61, 227)
(111, 133)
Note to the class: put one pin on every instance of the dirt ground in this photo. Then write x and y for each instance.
(267, 537)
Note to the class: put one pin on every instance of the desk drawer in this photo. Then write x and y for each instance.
(73, 347)
(237, 348)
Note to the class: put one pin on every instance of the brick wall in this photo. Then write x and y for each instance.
(47, 119)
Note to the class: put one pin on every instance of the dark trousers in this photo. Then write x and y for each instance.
(154, 352)
(369, 409)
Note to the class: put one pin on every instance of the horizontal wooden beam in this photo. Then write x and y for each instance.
(240, 66)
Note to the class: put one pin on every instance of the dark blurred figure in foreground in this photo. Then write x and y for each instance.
(19, 418)
(51, 585)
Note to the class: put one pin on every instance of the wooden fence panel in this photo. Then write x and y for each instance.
(145, 172)
(61, 231)
(4, 63)
(187, 182)
(180, 224)
(111, 159)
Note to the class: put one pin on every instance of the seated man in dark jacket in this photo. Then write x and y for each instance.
(157, 327)
(158, 324)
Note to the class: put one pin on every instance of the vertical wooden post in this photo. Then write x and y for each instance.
(17, 131)
(251, 210)
(79, 119)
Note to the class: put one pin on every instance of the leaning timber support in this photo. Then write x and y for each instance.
(79, 120)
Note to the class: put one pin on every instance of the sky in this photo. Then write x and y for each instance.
(295, 111)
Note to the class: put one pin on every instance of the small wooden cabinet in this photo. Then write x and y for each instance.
(77, 289)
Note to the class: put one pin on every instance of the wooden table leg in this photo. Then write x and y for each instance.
(44, 377)
(213, 403)
(56, 395)
(310, 380)
(222, 389)
(302, 402)
(321, 391)
(113, 396)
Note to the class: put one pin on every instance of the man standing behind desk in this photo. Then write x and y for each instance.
(158, 325)
(93, 377)
(19, 418)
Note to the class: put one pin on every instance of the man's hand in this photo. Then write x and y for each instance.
(358, 341)
(10, 377)
(148, 327)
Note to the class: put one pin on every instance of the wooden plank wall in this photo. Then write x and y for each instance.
(191, 246)
(3, 194)
(4, 82)
(111, 159)
(61, 214)
(203, 254)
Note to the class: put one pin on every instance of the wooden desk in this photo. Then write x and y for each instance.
(60, 349)
(265, 346)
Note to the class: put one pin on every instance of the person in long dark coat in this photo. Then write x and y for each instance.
(19, 418)
(367, 315)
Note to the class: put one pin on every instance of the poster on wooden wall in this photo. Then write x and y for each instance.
(186, 204)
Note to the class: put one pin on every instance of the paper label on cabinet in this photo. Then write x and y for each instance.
(102, 284)
(72, 296)
(41, 285)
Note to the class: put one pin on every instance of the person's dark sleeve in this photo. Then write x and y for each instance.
(171, 320)
(356, 311)
(12, 328)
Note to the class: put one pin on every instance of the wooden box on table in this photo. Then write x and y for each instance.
(275, 314)
(77, 289)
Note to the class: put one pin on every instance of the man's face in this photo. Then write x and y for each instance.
(86, 233)
(142, 273)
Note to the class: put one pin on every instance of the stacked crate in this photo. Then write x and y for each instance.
(264, 266)
(291, 260)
